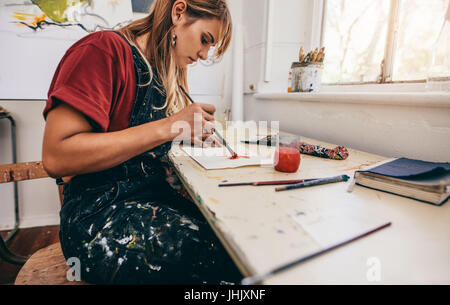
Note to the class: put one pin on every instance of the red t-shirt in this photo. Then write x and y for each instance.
(96, 76)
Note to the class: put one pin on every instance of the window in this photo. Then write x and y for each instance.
(380, 41)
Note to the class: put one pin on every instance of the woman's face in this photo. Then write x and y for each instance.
(194, 40)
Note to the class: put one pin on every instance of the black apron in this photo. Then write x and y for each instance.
(126, 225)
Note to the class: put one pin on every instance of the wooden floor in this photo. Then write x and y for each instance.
(26, 242)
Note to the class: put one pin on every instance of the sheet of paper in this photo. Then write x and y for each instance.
(219, 158)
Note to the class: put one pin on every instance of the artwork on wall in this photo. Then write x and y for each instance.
(35, 34)
(141, 6)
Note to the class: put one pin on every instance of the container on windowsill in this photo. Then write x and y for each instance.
(305, 77)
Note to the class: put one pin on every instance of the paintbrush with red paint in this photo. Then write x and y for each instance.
(221, 139)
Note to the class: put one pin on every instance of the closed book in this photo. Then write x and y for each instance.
(416, 179)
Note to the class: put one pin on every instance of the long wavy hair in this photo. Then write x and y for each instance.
(158, 51)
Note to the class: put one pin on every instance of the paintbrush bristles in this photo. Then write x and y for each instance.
(315, 56)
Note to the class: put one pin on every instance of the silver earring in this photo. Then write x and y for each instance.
(174, 40)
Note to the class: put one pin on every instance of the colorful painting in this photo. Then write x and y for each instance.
(36, 33)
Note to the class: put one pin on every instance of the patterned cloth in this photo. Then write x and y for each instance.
(337, 153)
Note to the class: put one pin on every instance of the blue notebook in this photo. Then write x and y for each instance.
(420, 180)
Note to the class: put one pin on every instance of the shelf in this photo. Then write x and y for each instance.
(417, 99)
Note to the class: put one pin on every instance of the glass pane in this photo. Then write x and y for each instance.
(420, 23)
(355, 38)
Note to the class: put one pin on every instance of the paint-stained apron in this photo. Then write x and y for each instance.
(126, 225)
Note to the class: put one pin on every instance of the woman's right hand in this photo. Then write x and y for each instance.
(193, 124)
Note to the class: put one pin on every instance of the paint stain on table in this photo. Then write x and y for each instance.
(218, 178)
(359, 167)
(214, 200)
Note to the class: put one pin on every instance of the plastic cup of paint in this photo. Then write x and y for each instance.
(287, 159)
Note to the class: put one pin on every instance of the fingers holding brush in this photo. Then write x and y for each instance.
(205, 141)
(208, 128)
(212, 141)
(205, 137)
(208, 136)
(209, 109)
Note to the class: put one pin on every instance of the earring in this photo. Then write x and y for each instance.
(174, 40)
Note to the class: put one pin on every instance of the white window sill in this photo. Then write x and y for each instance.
(420, 99)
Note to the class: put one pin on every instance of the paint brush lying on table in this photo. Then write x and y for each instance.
(221, 139)
(319, 181)
(337, 153)
(259, 183)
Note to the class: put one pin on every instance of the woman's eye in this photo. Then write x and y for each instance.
(204, 40)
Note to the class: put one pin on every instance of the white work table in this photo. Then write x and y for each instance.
(259, 226)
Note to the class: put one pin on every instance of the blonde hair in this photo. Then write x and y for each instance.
(158, 51)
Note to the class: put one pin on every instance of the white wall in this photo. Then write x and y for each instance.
(391, 130)
(38, 199)
(291, 21)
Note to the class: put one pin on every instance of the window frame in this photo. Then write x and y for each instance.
(387, 63)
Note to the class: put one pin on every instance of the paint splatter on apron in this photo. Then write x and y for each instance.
(127, 225)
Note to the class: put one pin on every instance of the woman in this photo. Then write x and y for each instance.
(111, 107)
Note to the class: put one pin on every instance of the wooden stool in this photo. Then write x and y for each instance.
(46, 267)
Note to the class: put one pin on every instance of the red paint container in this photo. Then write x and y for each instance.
(287, 159)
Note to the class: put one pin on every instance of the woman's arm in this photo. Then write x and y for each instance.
(70, 147)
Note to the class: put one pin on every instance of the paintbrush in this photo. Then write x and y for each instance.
(274, 182)
(221, 139)
(318, 181)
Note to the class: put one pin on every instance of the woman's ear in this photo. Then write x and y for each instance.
(178, 9)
